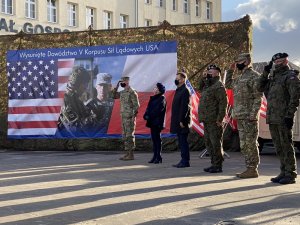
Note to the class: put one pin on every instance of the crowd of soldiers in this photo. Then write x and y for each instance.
(279, 84)
(281, 87)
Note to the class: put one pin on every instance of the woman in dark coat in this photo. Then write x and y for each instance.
(155, 117)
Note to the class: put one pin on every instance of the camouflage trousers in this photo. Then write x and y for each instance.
(283, 142)
(128, 129)
(213, 143)
(248, 134)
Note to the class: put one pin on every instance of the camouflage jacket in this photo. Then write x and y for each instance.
(247, 98)
(213, 101)
(129, 102)
(282, 90)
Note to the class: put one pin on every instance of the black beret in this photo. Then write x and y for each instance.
(279, 56)
(215, 67)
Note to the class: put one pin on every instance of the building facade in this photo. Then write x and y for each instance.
(51, 16)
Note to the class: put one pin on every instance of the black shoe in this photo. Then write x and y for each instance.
(152, 160)
(277, 179)
(215, 169)
(287, 180)
(207, 169)
(182, 165)
(157, 161)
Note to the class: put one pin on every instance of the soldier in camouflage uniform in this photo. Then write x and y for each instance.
(282, 90)
(129, 109)
(211, 111)
(76, 119)
(247, 101)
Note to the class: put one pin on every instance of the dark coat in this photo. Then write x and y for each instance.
(181, 111)
(156, 111)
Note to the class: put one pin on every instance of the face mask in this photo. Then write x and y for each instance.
(176, 82)
(278, 66)
(123, 85)
(240, 66)
(208, 76)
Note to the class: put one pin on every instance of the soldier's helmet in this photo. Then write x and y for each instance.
(79, 76)
(103, 78)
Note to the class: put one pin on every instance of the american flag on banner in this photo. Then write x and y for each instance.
(263, 107)
(198, 127)
(36, 89)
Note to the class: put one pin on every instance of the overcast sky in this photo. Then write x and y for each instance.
(276, 25)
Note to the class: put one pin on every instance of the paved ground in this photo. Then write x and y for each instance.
(96, 188)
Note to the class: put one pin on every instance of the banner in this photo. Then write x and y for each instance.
(38, 80)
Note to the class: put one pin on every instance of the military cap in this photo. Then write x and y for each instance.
(213, 67)
(243, 56)
(279, 56)
(124, 78)
(161, 88)
(103, 78)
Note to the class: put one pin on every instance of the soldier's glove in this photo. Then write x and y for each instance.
(268, 67)
(289, 122)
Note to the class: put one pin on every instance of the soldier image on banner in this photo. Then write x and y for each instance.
(281, 87)
(129, 108)
(82, 113)
(247, 102)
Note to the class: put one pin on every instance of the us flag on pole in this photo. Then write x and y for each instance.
(198, 127)
(36, 89)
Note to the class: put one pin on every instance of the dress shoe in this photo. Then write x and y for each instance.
(215, 169)
(277, 179)
(182, 165)
(251, 172)
(287, 180)
(207, 169)
(157, 161)
(152, 160)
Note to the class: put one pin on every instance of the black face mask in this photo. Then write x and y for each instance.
(208, 76)
(278, 66)
(123, 85)
(176, 82)
(240, 66)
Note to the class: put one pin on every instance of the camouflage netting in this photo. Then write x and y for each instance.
(198, 46)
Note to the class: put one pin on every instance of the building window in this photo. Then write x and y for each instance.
(30, 7)
(186, 6)
(123, 21)
(72, 14)
(160, 3)
(208, 10)
(6, 6)
(197, 8)
(148, 2)
(107, 20)
(51, 11)
(90, 17)
(148, 23)
(174, 5)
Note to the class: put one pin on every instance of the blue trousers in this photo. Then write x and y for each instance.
(184, 147)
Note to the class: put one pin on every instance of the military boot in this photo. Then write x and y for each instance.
(124, 156)
(129, 156)
(249, 173)
(277, 179)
